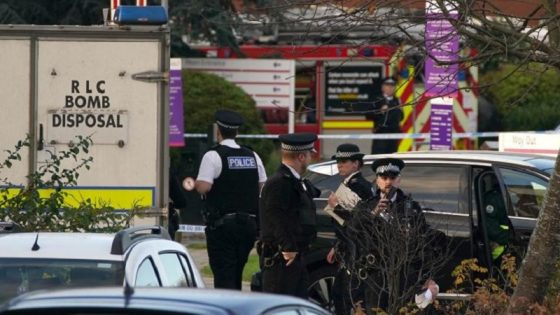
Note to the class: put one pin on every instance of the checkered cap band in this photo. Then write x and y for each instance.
(342, 155)
(297, 148)
(387, 168)
(221, 124)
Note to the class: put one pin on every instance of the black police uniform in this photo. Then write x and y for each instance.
(386, 122)
(177, 201)
(288, 221)
(348, 290)
(404, 225)
(231, 210)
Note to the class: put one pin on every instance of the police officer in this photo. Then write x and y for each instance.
(288, 219)
(230, 176)
(392, 237)
(346, 289)
(386, 116)
(496, 219)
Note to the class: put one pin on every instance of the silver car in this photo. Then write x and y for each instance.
(142, 256)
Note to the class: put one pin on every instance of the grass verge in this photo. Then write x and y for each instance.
(251, 267)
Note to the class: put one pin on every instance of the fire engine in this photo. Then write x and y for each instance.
(334, 81)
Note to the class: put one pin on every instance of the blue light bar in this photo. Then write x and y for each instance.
(133, 15)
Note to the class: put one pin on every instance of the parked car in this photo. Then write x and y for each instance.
(140, 256)
(149, 301)
(448, 187)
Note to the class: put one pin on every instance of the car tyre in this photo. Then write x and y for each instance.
(321, 282)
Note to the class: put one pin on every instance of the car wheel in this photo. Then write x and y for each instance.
(320, 287)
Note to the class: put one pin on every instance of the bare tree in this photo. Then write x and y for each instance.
(390, 256)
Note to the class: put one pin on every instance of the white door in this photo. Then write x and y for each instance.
(86, 89)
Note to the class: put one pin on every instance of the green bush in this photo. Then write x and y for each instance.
(41, 206)
(525, 97)
(203, 94)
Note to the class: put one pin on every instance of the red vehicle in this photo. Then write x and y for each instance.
(335, 83)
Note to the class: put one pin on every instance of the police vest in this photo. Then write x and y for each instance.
(237, 187)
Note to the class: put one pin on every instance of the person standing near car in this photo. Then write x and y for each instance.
(347, 290)
(288, 219)
(230, 178)
(386, 115)
(394, 244)
(496, 219)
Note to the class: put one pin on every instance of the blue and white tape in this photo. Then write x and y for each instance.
(372, 136)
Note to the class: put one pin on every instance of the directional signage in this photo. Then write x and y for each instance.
(270, 82)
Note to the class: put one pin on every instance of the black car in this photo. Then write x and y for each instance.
(448, 187)
(152, 301)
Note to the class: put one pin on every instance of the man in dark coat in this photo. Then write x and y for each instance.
(288, 219)
(386, 115)
(346, 289)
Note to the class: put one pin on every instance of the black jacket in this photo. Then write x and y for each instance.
(386, 121)
(287, 211)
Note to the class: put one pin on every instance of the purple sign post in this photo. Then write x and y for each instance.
(441, 68)
(176, 126)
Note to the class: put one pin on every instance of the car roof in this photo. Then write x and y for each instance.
(61, 245)
(167, 299)
(521, 159)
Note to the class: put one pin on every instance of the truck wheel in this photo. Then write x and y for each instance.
(320, 288)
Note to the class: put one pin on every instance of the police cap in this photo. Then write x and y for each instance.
(389, 81)
(228, 119)
(298, 142)
(347, 151)
(388, 166)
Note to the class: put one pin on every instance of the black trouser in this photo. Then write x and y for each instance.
(347, 292)
(229, 245)
(380, 146)
(289, 280)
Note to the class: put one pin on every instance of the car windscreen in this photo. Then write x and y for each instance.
(21, 275)
(544, 164)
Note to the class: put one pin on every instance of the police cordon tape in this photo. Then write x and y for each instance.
(372, 136)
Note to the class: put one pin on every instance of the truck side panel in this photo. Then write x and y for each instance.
(88, 90)
(15, 105)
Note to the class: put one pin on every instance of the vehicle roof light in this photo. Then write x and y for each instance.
(133, 15)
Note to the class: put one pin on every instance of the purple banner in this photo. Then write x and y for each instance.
(441, 126)
(442, 46)
(441, 69)
(176, 124)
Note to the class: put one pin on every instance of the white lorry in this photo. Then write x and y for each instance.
(107, 82)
